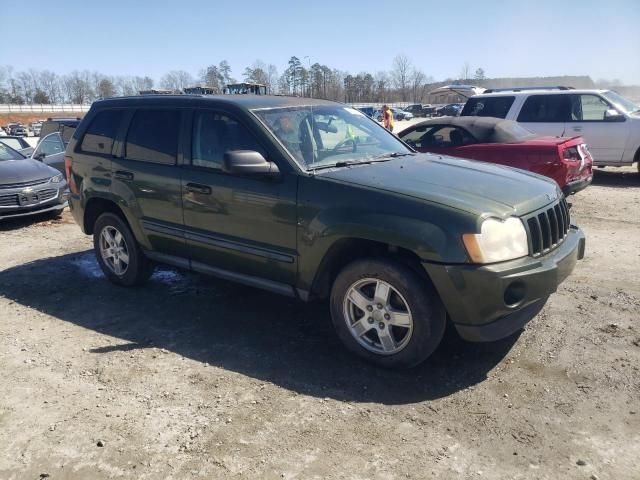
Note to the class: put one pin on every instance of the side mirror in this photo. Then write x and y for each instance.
(40, 156)
(248, 162)
(612, 115)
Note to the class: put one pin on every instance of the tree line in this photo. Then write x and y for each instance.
(402, 82)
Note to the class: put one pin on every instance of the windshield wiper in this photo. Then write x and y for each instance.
(349, 163)
(394, 155)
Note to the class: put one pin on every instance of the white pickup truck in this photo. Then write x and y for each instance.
(609, 123)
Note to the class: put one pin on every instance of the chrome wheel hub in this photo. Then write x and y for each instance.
(378, 316)
(113, 250)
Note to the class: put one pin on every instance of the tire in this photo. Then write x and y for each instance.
(414, 336)
(127, 265)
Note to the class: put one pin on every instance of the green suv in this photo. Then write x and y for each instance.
(313, 199)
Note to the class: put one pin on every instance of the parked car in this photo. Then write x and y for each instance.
(36, 127)
(28, 187)
(450, 110)
(9, 127)
(312, 199)
(368, 111)
(609, 123)
(50, 150)
(18, 143)
(565, 160)
(65, 126)
(400, 114)
(416, 110)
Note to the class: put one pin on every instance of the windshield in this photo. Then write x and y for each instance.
(329, 134)
(7, 153)
(621, 102)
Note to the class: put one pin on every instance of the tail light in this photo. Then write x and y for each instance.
(69, 173)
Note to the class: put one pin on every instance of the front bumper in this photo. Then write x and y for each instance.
(13, 207)
(489, 302)
(577, 185)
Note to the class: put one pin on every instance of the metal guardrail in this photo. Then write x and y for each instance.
(50, 108)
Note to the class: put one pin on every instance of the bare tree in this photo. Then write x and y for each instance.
(417, 85)
(400, 74)
(465, 72)
(177, 80)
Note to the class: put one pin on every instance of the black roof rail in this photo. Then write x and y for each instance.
(523, 89)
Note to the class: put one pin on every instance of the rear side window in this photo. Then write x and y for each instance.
(153, 136)
(102, 132)
(546, 108)
(497, 107)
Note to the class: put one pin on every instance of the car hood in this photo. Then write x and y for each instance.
(477, 187)
(25, 170)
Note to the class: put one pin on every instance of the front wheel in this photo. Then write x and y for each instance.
(118, 252)
(386, 313)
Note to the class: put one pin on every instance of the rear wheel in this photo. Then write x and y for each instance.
(387, 314)
(118, 253)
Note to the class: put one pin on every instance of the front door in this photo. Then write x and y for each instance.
(240, 224)
(605, 139)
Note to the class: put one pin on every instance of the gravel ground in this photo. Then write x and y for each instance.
(191, 377)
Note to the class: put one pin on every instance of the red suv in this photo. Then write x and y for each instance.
(566, 160)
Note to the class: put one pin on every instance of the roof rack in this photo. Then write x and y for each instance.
(523, 89)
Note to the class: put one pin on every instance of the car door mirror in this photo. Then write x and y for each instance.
(40, 156)
(248, 162)
(612, 115)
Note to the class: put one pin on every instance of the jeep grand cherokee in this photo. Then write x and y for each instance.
(313, 199)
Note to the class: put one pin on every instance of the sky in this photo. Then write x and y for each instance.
(509, 38)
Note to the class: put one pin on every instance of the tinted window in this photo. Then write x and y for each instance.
(50, 145)
(497, 107)
(546, 108)
(102, 132)
(214, 134)
(153, 136)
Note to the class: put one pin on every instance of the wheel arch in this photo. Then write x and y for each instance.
(346, 250)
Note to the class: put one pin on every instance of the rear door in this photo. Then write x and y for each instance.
(146, 177)
(240, 224)
(546, 114)
(605, 139)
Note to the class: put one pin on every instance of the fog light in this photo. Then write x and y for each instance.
(514, 294)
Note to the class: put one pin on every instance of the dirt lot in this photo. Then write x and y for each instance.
(190, 377)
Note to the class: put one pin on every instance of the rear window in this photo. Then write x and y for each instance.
(546, 108)
(497, 107)
(153, 136)
(102, 132)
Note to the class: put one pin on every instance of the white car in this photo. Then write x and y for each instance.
(609, 123)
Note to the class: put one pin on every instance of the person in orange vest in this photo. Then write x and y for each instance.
(387, 118)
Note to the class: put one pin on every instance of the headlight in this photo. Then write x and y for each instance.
(57, 179)
(497, 241)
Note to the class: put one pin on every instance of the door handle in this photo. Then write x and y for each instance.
(577, 129)
(123, 174)
(197, 188)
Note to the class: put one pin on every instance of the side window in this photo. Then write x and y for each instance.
(446, 137)
(546, 109)
(101, 133)
(213, 135)
(153, 136)
(497, 107)
(50, 145)
(588, 108)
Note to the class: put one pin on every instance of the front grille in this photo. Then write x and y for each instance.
(9, 200)
(547, 228)
(24, 184)
(44, 195)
